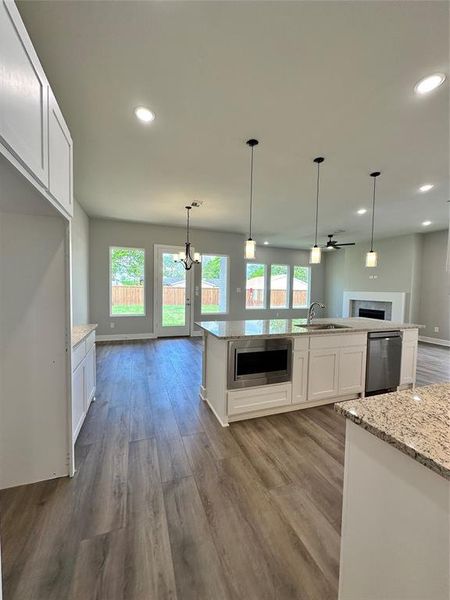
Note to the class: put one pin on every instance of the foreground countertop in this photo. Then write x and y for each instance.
(79, 332)
(417, 422)
(230, 330)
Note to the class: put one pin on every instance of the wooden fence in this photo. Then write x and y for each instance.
(134, 294)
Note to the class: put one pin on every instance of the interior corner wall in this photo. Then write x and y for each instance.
(80, 266)
(434, 308)
(105, 233)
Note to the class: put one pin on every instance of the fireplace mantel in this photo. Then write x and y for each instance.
(398, 300)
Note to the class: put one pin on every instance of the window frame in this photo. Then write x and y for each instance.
(289, 283)
(111, 314)
(308, 296)
(227, 295)
(266, 287)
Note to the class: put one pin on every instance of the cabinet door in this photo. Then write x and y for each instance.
(89, 366)
(352, 370)
(23, 95)
(78, 405)
(59, 157)
(299, 376)
(323, 374)
(409, 360)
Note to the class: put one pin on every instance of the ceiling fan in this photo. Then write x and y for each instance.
(334, 244)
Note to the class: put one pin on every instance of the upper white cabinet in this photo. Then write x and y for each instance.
(59, 156)
(23, 95)
(33, 133)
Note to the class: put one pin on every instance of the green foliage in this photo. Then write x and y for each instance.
(128, 309)
(211, 267)
(127, 266)
(254, 270)
(301, 273)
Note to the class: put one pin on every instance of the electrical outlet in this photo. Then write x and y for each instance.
(436, 330)
(112, 325)
(238, 290)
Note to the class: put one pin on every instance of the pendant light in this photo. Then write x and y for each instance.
(372, 256)
(315, 255)
(185, 257)
(250, 244)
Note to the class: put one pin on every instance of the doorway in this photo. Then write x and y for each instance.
(173, 314)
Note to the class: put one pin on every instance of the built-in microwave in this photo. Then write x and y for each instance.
(259, 362)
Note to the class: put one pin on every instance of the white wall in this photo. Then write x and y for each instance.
(105, 233)
(80, 266)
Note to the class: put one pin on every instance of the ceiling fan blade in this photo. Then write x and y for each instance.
(348, 244)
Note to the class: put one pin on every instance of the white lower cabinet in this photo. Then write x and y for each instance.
(352, 370)
(323, 374)
(78, 406)
(409, 360)
(258, 398)
(300, 376)
(83, 382)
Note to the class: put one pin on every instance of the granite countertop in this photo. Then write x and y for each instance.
(79, 332)
(229, 330)
(417, 422)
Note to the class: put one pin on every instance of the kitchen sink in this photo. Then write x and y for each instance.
(323, 326)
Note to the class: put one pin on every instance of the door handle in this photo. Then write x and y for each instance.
(188, 302)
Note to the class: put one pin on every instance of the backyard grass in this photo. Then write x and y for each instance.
(173, 314)
(128, 309)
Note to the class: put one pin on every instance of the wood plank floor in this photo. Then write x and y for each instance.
(167, 504)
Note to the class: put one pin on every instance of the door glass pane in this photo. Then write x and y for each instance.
(279, 286)
(173, 292)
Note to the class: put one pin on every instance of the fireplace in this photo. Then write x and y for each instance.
(371, 313)
(392, 303)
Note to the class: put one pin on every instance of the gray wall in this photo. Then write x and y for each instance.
(105, 233)
(414, 264)
(434, 308)
(80, 266)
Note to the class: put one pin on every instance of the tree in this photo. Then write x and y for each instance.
(127, 266)
(211, 267)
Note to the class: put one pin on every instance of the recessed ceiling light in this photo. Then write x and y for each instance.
(266, 243)
(362, 211)
(426, 223)
(426, 187)
(144, 114)
(430, 83)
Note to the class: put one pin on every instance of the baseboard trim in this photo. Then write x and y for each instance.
(196, 333)
(437, 341)
(118, 337)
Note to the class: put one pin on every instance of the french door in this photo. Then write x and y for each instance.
(173, 293)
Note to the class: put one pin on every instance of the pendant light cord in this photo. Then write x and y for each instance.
(251, 194)
(375, 174)
(317, 203)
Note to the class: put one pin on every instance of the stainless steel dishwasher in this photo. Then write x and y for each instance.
(384, 355)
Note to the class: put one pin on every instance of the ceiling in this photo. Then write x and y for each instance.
(306, 78)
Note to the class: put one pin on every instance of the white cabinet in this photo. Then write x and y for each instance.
(59, 157)
(89, 377)
(78, 403)
(352, 370)
(258, 398)
(23, 95)
(337, 366)
(83, 381)
(33, 134)
(409, 357)
(323, 374)
(299, 376)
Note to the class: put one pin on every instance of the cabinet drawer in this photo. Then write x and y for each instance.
(410, 335)
(90, 341)
(244, 401)
(301, 342)
(337, 340)
(78, 353)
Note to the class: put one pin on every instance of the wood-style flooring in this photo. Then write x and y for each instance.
(167, 504)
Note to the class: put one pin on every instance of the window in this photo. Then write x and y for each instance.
(279, 286)
(255, 289)
(127, 268)
(300, 287)
(214, 284)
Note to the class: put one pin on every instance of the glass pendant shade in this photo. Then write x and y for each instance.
(315, 255)
(250, 249)
(197, 257)
(371, 259)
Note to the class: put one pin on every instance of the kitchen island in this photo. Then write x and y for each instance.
(324, 362)
(395, 539)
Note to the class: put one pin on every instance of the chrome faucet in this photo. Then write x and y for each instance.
(311, 311)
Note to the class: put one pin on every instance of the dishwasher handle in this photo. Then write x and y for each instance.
(384, 334)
